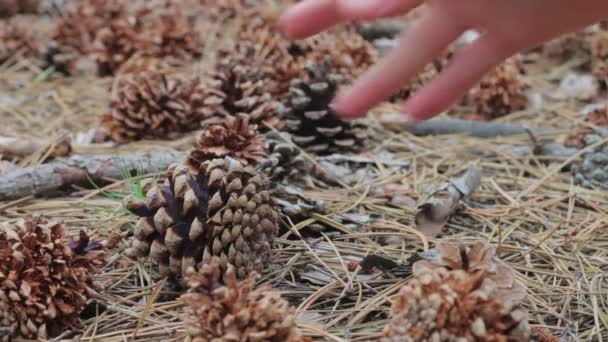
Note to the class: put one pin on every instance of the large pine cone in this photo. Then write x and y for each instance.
(237, 87)
(312, 123)
(237, 311)
(221, 210)
(234, 137)
(154, 106)
(501, 91)
(44, 285)
(469, 282)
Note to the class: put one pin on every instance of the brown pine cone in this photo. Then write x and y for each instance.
(500, 92)
(44, 285)
(349, 54)
(220, 210)
(154, 106)
(116, 43)
(238, 87)
(78, 28)
(14, 40)
(171, 34)
(310, 121)
(234, 137)
(237, 311)
(468, 281)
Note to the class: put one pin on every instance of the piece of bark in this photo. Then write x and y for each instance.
(12, 148)
(435, 212)
(480, 129)
(81, 170)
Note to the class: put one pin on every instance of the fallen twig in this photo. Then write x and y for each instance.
(480, 129)
(80, 170)
(12, 147)
(434, 213)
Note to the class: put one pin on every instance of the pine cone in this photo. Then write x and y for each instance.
(222, 210)
(464, 281)
(566, 47)
(237, 87)
(234, 137)
(285, 163)
(593, 171)
(349, 54)
(78, 28)
(171, 34)
(43, 283)
(597, 117)
(313, 125)
(260, 47)
(14, 40)
(154, 106)
(500, 92)
(116, 43)
(236, 311)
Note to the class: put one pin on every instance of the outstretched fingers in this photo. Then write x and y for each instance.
(466, 69)
(313, 16)
(419, 45)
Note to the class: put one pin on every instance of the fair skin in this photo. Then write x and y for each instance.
(506, 27)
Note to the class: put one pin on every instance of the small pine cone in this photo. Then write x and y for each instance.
(285, 162)
(14, 40)
(221, 210)
(237, 311)
(171, 34)
(44, 284)
(154, 106)
(466, 281)
(313, 125)
(568, 46)
(234, 137)
(593, 170)
(116, 43)
(77, 29)
(500, 92)
(262, 48)
(578, 138)
(237, 87)
(599, 56)
(348, 52)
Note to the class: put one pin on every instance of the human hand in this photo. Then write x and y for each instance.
(506, 28)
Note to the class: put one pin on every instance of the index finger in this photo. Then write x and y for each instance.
(313, 16)
(418, 46)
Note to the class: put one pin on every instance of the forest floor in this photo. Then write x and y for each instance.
(553, 232)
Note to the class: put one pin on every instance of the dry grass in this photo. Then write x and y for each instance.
(554, 233)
